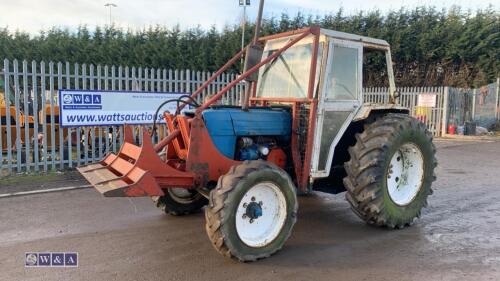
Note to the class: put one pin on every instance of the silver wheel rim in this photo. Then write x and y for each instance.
(262, 230)
(405, 174)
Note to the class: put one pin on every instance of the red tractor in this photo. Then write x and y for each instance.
(302, 126)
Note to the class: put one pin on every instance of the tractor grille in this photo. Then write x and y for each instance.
(303, 117)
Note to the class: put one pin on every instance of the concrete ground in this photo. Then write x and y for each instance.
(458, 237)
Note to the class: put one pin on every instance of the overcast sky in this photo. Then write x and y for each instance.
(34, 15)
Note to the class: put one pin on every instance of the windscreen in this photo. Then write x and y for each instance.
(286, 76)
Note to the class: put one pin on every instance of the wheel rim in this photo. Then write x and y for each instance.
(182, 195)
(261, 214)
(405, 174)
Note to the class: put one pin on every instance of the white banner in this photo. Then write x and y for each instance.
(426, 100)
(112, 108)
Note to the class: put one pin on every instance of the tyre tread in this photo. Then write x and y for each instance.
(363, 193)
(219, 199)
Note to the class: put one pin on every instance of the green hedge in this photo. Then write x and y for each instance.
(430, 47)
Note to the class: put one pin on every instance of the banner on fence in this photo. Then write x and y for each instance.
(427, 100)
(112, 108)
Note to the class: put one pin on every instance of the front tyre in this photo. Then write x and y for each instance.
(252, 211)
(391, 170)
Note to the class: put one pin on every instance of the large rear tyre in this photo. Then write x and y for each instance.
(252, 211)
(180, 201)
(391, 170)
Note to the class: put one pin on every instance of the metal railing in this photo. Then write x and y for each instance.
(432, 117)
(32, 141)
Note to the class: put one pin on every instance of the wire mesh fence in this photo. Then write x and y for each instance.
(485, 110)
(460, 106)
(481, 106)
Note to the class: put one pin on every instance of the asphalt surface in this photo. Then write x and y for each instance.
(458, 237)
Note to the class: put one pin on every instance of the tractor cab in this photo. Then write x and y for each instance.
(338, 59)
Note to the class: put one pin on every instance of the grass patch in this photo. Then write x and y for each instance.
(38, 178)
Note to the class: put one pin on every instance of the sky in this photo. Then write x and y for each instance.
(34, 15)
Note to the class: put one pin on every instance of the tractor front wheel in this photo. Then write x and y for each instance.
(252, 211)
(391, 170)
(180, 201)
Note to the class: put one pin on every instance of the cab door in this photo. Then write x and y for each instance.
(339, 100)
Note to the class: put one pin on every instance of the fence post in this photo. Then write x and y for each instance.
(444, 121)
(60, 130)
(6, 65)
(26, 93)
(474, 92)
(1, 124)
(52, 116)
(36, 107)
(497, 107)
(43, 88)
(17, 104)
(70, 130)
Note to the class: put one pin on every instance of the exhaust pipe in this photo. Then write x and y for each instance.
(258, 23)
(252, 58)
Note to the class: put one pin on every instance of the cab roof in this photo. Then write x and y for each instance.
(367, 42)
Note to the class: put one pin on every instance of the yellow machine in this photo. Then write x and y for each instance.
(12, 123)
(5, 123)
(47, 121)
(30, 120)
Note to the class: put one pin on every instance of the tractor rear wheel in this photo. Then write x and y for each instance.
(391, 170)
(180, 201)
(252, 211)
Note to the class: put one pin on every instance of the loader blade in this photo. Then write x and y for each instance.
(128, 173)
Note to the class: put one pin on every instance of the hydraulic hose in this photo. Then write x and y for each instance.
(178, 100)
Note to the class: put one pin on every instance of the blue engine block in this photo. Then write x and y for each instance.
(226, 125)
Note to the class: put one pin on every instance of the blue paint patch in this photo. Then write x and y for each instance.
(225, 125)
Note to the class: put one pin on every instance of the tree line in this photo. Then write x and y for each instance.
(430, 47)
